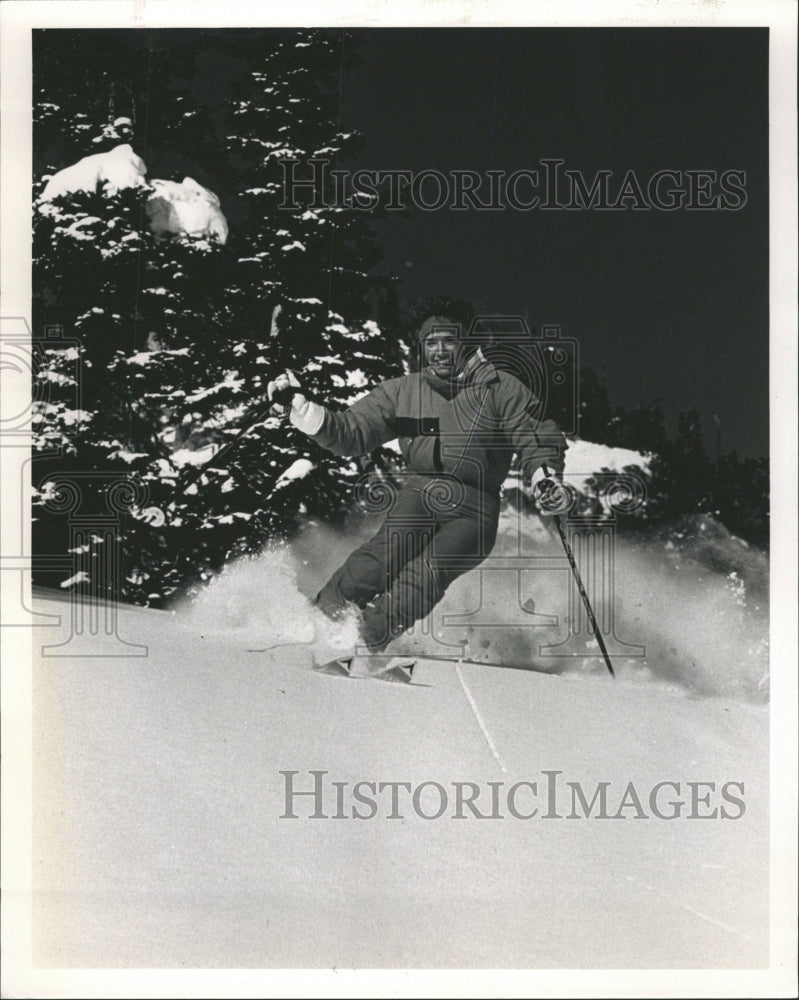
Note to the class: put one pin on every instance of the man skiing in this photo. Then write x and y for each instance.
(458, 421)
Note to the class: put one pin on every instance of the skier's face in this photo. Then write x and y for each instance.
(443, 349)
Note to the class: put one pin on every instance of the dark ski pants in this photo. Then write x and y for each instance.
(435, 531)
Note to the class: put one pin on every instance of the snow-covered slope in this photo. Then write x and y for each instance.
(162, 834)
(160, 782)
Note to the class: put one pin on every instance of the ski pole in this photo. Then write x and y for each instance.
(581, 588)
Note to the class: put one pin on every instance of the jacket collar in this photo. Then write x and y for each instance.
(476, 370)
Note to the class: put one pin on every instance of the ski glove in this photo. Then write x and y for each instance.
(549, 492)
(304, 414)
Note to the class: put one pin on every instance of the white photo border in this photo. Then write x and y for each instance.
(17, 20)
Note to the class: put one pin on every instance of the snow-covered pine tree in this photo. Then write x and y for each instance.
(175, 339)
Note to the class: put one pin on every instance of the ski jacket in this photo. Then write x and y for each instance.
(467, 429)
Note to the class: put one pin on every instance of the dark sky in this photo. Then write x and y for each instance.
(668, 304)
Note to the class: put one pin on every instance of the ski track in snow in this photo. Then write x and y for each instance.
(690, 909)
(480, 721)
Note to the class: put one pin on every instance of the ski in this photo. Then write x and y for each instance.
(396, 670)
(471, 661)
(446, 658)
(402, 671)
(393, 669)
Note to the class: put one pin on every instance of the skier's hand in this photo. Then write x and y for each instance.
(282, 390)
(285, 392)
(549, 493)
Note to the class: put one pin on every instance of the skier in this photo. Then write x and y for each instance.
(458, 421)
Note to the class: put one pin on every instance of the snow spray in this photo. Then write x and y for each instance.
(692, 604)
